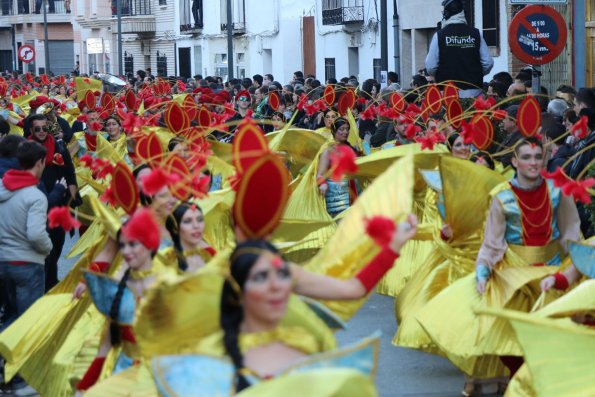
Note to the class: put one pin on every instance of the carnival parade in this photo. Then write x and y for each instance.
(224, 231)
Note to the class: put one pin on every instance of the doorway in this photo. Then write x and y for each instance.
(184, 58)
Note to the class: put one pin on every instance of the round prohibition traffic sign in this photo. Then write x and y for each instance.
(537, 34)
(26, 53)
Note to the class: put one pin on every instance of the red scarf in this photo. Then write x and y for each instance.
(50, 145)
(17, 179)
(91, 141)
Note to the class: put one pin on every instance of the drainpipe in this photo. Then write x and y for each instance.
(397, 38)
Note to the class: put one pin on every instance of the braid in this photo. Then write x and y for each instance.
(232, 311)
(232, 315)
(115, 310)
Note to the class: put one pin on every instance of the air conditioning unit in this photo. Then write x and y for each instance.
(355, 39)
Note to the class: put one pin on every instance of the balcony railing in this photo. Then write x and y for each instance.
(132, 8)
(191, 19)
(238, 28)
(342, 12)
(25, 7)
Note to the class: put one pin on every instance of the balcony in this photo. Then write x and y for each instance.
(342, 12)
(136, 17)
(238, 28)
(23, 11)
(191, 20)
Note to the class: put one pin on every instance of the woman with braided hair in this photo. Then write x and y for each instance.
(138, 241)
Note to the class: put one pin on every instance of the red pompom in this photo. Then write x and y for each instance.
(380, 229)
(342, 162)
(157, 180)
(143, 227)
(60, 217)
(58, 159)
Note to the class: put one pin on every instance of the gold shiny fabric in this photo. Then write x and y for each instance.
(136, 381)
(414, 253)
(466, 338)
(521, 384)
(349, 249)
(448, 261)
(327, 382)
(558, 353)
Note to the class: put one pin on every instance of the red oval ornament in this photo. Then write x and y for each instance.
(149, 149)
(248, 145)
(397, 102)
(176, 118)
(484, 132)
(346, 101)
(433, 99)
(125, 188)
(529, 116)
(451, 93)
(274, 100)
(329, 95)
(454, 110)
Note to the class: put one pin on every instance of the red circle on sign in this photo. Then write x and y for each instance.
(520, 19)
(26, 53)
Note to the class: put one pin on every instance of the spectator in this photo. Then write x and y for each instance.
(505, 78)
(585, 98)
(516, 89)
(496, 90)
(513, 135)
(458, 52)
(566, 93)
(257, 80)
(393, 81)
(24, 241)
(58, 167)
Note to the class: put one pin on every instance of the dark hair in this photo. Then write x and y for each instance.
(114, 327)
(258, 78)
(36, 117)
(533, 141)
(331, 80)
(280, 115)
(299, 74)
(570, 116)
(269, 77)
(566, 89)
(243, 259)
(141, 74)
(144, 199)
(393, 76)
(498, 87)
(4, 127)
(419, 80)
(485, 156)
(450, 141)
(339, 122)
(524, 75)
(173, 226)
(10, 144)
(586, 96)
(589, 113)
(175, 141)
(505, 78)
(551, 127)
(29, 153)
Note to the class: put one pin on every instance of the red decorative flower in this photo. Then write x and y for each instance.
(61, 217)
(578, 189)
(342, 162)
(58, 159)
(558, 177)
(412, 130)
(484, 104)
(580, 129)
(157, 180)
(201, 185)
(96, 126)
(369, 113)
(109, 197)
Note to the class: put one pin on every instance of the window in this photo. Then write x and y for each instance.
(376, 68)
(128, 64)
(491, 22)
(329, 68)
(162, 2)
(161, 64)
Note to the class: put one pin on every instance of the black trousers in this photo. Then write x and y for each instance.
(57, 235)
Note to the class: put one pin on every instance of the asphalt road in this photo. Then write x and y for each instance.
(401, 372)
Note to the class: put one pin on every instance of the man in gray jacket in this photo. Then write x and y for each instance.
(24, 241)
